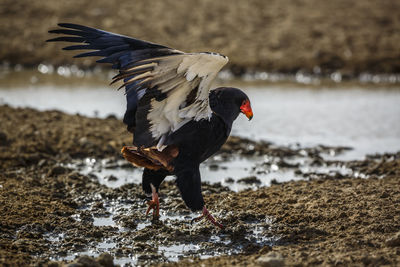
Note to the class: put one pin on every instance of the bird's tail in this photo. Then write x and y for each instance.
(151, 158)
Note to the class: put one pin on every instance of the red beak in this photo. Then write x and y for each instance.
(245, 108)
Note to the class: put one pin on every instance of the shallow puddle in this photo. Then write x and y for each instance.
(127, 235)
(121, 228)
(235, 172)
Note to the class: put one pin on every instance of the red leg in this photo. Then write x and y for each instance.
(154, 204)
(206, 214)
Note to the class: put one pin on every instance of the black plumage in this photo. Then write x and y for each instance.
(176, 120)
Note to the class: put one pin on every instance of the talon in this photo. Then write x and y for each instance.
(209, 217)
(146, 200)
(154, 204)
(197, 219)
(151, 205)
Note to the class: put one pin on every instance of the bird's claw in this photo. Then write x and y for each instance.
(197, 219)
(207, 215)
(155, 206)
(146, 200)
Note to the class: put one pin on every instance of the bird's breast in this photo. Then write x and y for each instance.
(197, 141)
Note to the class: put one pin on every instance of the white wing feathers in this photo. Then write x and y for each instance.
(170, 87)
(179, 76)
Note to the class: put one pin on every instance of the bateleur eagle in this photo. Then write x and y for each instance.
(176, 120)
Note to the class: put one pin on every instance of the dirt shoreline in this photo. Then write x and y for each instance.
(49, 210)
(275, 36)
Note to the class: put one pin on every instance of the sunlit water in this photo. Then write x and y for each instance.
(227, 172)
(366, 119)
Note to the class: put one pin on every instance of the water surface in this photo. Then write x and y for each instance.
(363, 118)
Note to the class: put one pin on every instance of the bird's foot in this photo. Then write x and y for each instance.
(207, 215)
(154, 204)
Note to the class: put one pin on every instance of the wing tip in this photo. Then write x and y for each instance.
(225, 58)
(214, 54)
(63, 25)
(68, 25)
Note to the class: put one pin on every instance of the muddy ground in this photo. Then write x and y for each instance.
(49, 210)
(275, 35)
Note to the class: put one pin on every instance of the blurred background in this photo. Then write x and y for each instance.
(319, 72)
(271, 35)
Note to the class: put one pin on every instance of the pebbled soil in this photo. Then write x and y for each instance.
(48, 210)
(275, 35)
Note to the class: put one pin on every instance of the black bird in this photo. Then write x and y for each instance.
(176, 120)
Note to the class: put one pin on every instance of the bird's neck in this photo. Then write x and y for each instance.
(226, 112)
(225, 115)
(227, 125)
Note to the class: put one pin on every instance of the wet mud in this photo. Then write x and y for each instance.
(52, 214)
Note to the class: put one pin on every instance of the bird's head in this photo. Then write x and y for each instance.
(229, 102)
(245, 108)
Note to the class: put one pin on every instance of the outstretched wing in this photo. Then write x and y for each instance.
(165, 88)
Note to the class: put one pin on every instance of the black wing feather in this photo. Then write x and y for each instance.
(150, 72)
(121, 51)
